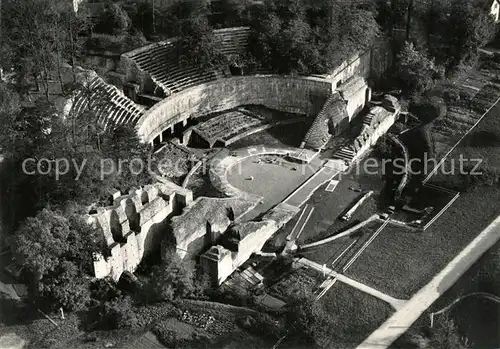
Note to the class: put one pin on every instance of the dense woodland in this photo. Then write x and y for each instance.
(42, 215)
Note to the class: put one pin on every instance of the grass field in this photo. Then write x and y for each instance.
(476, 318)
(355, 315)
(400, 262)
(328, 253)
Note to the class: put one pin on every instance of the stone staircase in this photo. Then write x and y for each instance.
(162, 61)
(346, 153)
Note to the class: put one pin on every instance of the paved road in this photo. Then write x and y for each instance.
(398, 323)
(300, 196)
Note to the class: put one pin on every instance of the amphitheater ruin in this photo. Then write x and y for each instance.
(164, 99)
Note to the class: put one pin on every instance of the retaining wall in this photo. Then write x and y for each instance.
(304, 95)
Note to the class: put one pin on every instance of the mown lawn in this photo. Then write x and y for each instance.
(476, 318)
(354, 314)
(327, 253)
(400, 262)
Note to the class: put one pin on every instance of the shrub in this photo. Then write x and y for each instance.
(118, 313)
(451, 95)
(166, 336)
(308, 320)
(115, 43)
(261, 324)
(428, 109)
(171, 280)
(386, 148)
(416, 70)
(113, 20)
(489, 176)
(236, 297)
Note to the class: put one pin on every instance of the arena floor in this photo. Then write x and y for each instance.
(274, 181)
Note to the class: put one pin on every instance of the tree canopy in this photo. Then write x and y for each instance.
(57, 250)
(38, 37)
(303, 37)
(416, 70)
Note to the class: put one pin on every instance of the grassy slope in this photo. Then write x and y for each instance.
(484, 141)
(400, 262)
(355, 315)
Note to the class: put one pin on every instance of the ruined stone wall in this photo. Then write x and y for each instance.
(135, 225)
(356, 93)
(222, 261)
(290, 94)
(134, 74)
(383, 119)
(203, 222)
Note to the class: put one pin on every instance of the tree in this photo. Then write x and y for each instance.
(234, 13)
(117, 313)
(38, 36)
(304, 37)
(470, 28)
(122, 144)
(174, 278)
(65, 287)
(307, 320)
(58, 251)
(80, 147)
(41, 242)
(113, 20)
(415, 70)
(198, 45)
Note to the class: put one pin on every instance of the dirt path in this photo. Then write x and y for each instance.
(397, 324)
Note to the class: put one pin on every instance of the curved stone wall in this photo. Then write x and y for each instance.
(290, 94)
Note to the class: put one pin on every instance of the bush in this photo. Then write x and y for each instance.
(489, 176)
(118, 313)
(386, 148)
(428, 109)
(416, 70)
(451, 95)
(309, 321)
(236, 297)
(115, 43)
(173, 279)
(113, 20)
(104, 290)
(261, 324)
(166, 336)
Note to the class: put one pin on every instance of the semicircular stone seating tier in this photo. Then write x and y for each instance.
(110, 106)
(222, 163)
(162, 61)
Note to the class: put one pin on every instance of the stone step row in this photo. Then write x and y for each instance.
(110, 106)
